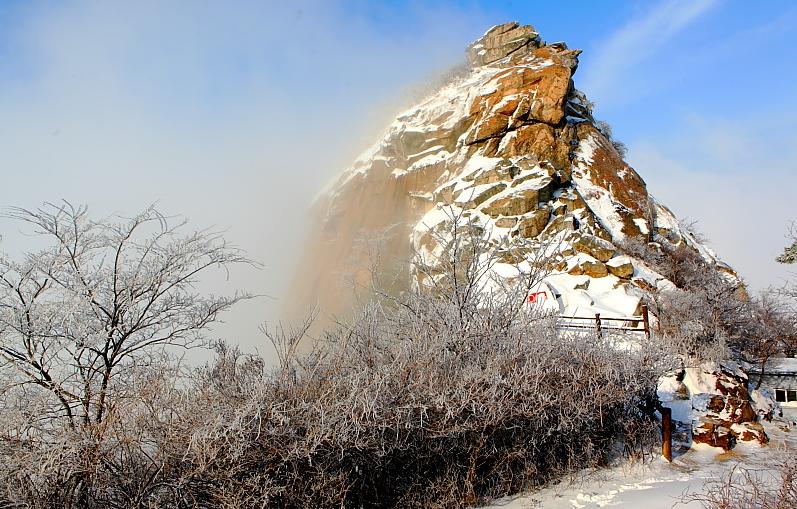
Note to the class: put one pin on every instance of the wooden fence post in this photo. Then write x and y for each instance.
(666, 433)
(598, 324)
(646, 320)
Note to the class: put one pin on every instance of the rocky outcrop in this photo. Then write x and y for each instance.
(596, 247)
(513, 147)
(502, 41)
(714, 399)
(591, 268)
(532, 225)
(621, 266)
(519, 200)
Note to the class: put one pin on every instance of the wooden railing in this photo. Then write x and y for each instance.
(600, 324)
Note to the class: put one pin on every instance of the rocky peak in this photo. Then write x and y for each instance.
(514, 147)
(503, 40)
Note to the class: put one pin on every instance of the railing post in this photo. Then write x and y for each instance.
(646, 320)
(598, 324)
(666, 433)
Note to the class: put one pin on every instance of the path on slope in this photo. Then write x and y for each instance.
(657, 485)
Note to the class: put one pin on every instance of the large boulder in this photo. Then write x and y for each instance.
(540, 139)
(591, 268)
(714, 432)
(621, 266)
(502, 171)
(719, 405)
(519, 200)
(751, 432)
(524, 94)
(474, 196)
(506, 222)
(501, 41)
(598, 248)
(532, 225)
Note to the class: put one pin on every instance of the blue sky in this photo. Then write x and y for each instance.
(236, 113)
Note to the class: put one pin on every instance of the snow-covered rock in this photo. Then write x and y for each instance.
(512, 146)
(716, 402)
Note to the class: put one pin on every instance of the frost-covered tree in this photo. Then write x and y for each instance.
(788, 293)
(790, 253)
(101, 298)
(606, 129)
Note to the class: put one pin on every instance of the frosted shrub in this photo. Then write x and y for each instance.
(87, 324)
(443, 397)
(412, 408)
(707, 316)
(431, 399)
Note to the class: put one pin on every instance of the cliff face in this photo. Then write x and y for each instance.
(513, 147)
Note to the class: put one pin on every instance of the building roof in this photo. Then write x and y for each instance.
(774, 366)
(781, 366)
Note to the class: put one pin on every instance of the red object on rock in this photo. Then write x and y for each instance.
(538, 297)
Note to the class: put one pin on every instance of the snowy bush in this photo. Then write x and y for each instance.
(703, 315)
(410, 408)
(620, 147)
(606, 130)
(431, 399)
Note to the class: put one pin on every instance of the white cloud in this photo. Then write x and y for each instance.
(635, 42)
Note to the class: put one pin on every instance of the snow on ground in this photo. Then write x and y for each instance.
(658, 485)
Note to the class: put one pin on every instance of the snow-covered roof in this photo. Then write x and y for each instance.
(779, 373)
(775, 366)
(781, 366)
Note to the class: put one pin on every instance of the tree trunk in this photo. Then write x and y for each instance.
(761, 373)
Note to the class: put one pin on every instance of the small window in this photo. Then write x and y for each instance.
(780, 395)
(791, 395)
